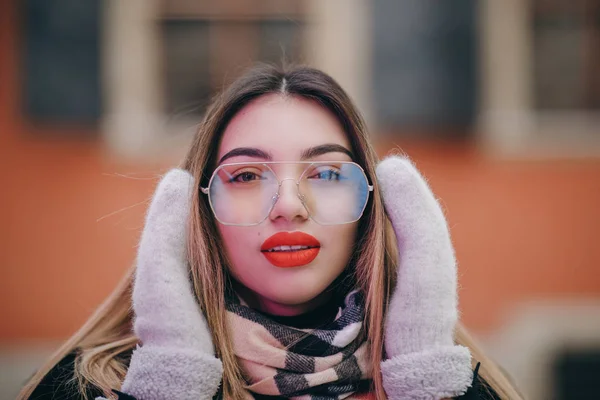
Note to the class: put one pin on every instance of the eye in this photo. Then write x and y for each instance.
(245, 176)
(328, 174)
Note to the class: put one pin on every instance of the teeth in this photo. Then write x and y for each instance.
(288, 248)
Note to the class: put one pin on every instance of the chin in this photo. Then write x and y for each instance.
(286, 286)
(287, 298)
(291, 292)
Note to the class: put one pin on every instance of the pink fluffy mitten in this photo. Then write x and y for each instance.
(176, 359)
(423, 360)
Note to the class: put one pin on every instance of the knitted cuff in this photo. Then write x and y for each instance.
(158, 373)
(432, 374)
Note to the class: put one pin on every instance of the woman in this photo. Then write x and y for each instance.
(298, 285)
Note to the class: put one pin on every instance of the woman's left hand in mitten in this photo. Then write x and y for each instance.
(177, 357)
(423, 362)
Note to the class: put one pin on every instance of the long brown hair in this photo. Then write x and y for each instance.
(108, 332)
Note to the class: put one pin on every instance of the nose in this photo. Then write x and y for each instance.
(288, 204)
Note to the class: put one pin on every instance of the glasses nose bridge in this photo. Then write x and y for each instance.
(296, 183)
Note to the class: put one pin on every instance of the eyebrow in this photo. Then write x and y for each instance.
(324, 149)
(309, 153)
(248, 152)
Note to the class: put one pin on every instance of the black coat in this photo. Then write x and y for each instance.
(58, 384)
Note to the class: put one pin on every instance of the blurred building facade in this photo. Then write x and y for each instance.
(497, 102)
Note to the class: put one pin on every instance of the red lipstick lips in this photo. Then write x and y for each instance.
(290, 249)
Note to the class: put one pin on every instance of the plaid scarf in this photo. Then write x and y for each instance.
(330, 362)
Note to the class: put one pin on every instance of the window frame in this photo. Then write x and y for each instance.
(509, 124)
(135, 125)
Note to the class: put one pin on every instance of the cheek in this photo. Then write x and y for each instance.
(338, 243)
(240, 240)
(242, 245)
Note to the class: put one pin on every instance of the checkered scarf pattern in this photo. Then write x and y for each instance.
(330, 362)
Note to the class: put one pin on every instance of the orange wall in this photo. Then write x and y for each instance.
(57, 261)
(521, 229)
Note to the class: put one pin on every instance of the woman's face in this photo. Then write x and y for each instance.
(278, 128)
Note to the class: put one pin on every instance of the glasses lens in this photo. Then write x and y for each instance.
(242, 194)
(334, 193)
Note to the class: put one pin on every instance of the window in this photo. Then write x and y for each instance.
(424, 65)
(540, 78)
(206, 45)
(165, 59)
(576, 373)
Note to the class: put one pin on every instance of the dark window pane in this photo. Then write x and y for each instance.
(424, 63)
(576, 374)
(566, 54)
(202, 56)
(187, 66)
(234, 47)
(558, 63)
(61, 60)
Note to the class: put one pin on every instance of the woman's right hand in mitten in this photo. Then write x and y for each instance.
(176, 359)
(424, 361)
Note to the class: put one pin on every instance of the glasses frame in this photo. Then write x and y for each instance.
(206, 190)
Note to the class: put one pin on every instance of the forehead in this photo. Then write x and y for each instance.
(283, 126)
